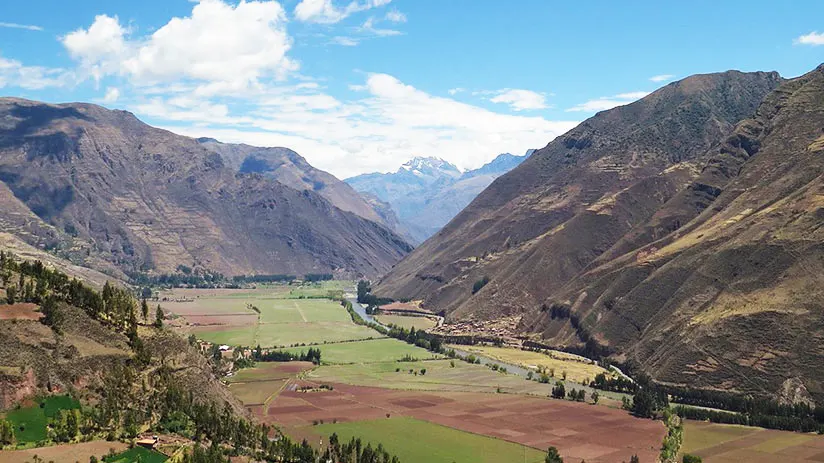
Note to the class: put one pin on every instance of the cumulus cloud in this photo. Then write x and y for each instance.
(377, 131)
(252, 43)
(609, 102)
(813, 38)
(662, 78)
(456, 90)
(325, 11)
(520, 100)
(13, 73)
(28, 27)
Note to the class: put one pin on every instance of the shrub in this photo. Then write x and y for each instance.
(479, 284)
(691, 459)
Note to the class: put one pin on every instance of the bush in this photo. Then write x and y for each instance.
(691, 459)
(479, 284)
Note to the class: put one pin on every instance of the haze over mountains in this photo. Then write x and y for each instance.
(426, 192)
(106, 189)
(680, 233)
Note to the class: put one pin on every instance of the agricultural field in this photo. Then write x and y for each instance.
(258, 385)
(415, 440)
(419, 323)
(441, 375)
(64, 452)
(30, 423)
(372, 351)
(282, 315)
(22, 311)
(723, 443)
(577, 371)
(136, 455)
(535, 422)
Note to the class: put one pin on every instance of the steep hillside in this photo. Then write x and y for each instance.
(630, 225)
(291, 169)
(427, 193)
(146, 199)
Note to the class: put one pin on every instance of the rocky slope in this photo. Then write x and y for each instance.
(426, 193)
(291, 169)
(675, 233)
(144, 199)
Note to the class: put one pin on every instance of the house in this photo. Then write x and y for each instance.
(147, 442)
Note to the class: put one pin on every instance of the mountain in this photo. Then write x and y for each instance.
(426, 193)
(680, 234)
(292, 170)
(92, 182)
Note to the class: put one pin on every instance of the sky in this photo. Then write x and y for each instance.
(361, 86)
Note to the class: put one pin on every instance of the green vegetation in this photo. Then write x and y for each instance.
(480, 284)
(285, 334)
(30, 424)
(673, 439)
(413, 441)
(136, 455)
(376, 350)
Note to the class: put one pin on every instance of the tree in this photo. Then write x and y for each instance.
(552, 456)
(363, 290)
(691, 459)
(11, 294)
(634, 459)
(559, 391)
(595, 396)
(159, 317)
(643, 404)
(6, 433)
(144, 310)
(52, 314)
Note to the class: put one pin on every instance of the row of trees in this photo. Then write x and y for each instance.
(366, 297)
(311, 355)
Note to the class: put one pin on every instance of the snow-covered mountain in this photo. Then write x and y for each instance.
(426, 192)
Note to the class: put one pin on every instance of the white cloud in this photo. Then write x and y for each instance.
(520, 100)
(325, 11)
(14, 74)
(252, 43)
(112, 94)
(608, 102)
(456, 90)
(813, 38)
(395, 16)
(369, 28)
(662, 78)
(28, 27)
(345, 41)
(376, 131)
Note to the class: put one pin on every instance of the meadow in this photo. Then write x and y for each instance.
(30, 423)
(418, 441)
(372, 351)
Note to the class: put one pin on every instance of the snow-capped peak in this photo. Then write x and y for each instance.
(430, 166)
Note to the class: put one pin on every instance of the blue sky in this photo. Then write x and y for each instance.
(363, 85)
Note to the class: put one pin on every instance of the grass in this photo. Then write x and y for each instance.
(377, 350)
(257, 392)
(742, 443)
(576, 371)
(285, 334)
(30, 422)
(136, 455)
(414, 440)
(698, 436)
(419, 323)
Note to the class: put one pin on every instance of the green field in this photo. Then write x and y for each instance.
(419, 441)
(30, 422)
(377, 350)
(136, 455)
(726, 442)
(285, 334)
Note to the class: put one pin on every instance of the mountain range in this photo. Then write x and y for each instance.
(680, 235)
(111, 192)
(427, 192)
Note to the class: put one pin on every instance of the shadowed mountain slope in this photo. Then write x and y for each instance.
(146, 199)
